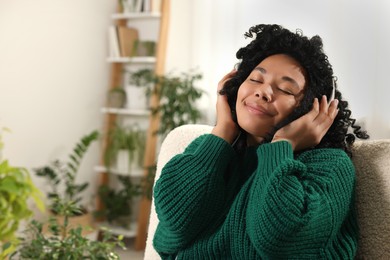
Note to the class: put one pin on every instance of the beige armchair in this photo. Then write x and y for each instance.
(372, 162)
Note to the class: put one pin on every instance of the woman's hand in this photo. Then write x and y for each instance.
(225, 128)
(308, 130)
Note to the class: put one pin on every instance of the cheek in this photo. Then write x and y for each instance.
(242, 93)
(286, 107)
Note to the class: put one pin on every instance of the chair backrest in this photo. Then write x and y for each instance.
(175, 142)
(372, 163)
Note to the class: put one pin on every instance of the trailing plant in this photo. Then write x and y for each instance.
(118, 203)
(16, 188)
(177, 97)
(130, 138)
(59, 173)
(63, 241)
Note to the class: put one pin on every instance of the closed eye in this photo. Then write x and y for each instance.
(255, 80)
(287, 92)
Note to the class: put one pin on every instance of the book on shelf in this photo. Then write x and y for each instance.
(141, 6)
(138, 6)
(146, 6)
(113, 43)
(127, 37)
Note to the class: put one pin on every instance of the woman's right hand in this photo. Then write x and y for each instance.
(225, 128)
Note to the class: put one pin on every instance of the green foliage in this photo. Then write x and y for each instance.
(118, 203)
(177, 96)
(129, 138)
(16, 187)
(64, 173)
(64, 242)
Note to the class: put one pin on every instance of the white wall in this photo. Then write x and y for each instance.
(53, 78)
(206, 35)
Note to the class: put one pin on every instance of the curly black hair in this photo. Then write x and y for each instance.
(274, 39)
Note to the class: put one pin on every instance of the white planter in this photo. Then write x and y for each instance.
(136, 98)
(123, 164)
(122, 161)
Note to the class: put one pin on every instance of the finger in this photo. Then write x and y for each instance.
(324, 110)
(313, 113)
(229, 75)
(324, 105)
(325, 121)
(333, 110)
(226, 78)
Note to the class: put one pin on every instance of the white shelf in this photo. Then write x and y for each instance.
(124, 111)
(136, 173)
(138, 60)
(146, 15)
(117, 230)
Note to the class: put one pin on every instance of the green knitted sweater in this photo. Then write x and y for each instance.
(266, 204)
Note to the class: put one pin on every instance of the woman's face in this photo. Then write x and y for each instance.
(269, 94)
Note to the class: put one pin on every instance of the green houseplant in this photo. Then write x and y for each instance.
(125, 149)
(16, 187)
(62, 241)
(177, 94)
(61, 176)
(118, 202)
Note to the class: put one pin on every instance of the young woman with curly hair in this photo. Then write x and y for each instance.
(274, 179)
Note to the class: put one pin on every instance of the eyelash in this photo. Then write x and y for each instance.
(281, 90)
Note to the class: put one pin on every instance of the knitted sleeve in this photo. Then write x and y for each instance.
(298, 205)
(190, 192)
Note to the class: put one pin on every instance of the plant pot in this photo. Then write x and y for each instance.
(116, 99)
(124, 165)
(136, 98)
(122, 161)
(145, 48)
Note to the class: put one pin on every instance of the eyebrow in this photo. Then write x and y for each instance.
(285, 78)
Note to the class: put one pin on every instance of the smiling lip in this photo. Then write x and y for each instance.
(257, 110)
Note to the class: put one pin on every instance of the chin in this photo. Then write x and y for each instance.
(256, 132)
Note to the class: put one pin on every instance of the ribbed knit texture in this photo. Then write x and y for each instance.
(212, 204)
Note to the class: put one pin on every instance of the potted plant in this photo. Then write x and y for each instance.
(118, 202)
(62, 241)
(116, 97)
(125, 150)
(16, 187)
(144, 48)
(177, 95)
(139, 88)
(62, 181)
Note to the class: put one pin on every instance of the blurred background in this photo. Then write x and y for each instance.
(54, 74)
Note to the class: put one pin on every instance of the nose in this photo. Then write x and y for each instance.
(264, 93)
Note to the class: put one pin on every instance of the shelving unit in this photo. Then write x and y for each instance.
(113, 115)
(124, 111)
(133, 60)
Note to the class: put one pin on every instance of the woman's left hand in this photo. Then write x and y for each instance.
(308, 130)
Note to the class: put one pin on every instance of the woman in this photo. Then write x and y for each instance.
(274, 179)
